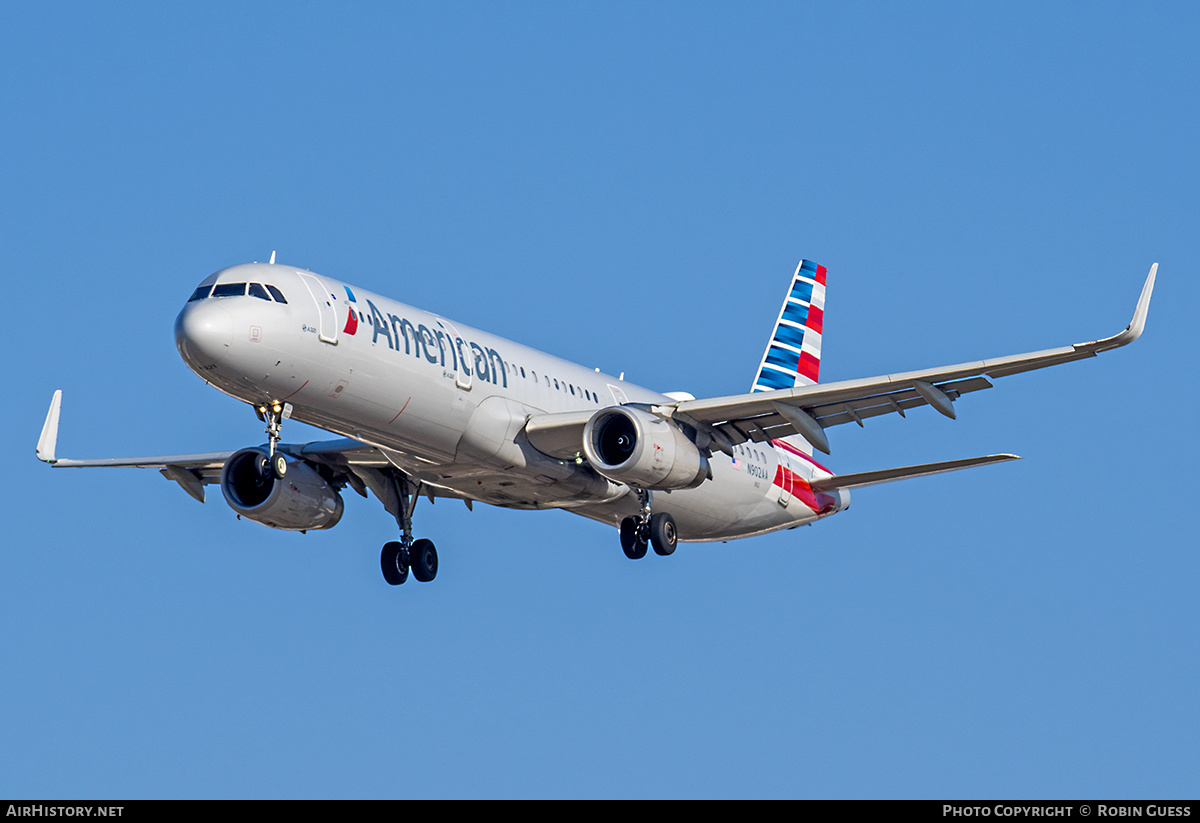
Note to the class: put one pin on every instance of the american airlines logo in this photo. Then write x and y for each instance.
(436, 345)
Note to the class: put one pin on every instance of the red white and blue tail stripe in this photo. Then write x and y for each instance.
(793, 356)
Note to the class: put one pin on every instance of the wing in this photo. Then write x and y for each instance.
(345, 462)
(723, 422)
(191, 471)
(809, 410)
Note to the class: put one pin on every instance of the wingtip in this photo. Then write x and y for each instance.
(1136, 326)
(1143, 305)
(48, 441)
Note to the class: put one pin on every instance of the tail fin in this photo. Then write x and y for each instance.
(793, 355)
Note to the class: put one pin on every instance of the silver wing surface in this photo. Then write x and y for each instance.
(809, 410)
(345, 461)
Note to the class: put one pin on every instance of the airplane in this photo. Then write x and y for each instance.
(424, 406)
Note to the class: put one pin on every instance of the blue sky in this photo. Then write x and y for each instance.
(629, 186)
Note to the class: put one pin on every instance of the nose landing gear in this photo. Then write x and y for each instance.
(273, 462)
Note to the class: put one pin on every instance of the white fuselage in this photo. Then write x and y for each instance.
(447, 403)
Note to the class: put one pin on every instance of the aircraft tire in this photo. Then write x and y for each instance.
(631, 543)
(391, 560)
(424, 560)
(279, 465)
(662, 534)
(263, 466)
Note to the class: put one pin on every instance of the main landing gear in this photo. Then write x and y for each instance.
(646, 529)
(399, 494)
(396, 561)
(400, 557)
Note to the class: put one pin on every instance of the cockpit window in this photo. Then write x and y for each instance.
(229, 290)
(259, 290)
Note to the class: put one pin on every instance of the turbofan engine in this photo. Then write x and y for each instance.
(298, 501)
(633, 446)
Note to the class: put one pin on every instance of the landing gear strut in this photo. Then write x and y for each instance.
(273, 462)
(647, 529)
(399, 557)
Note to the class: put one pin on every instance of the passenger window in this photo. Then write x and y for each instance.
(229, 290)
(200, 294)
(257, 290)
(276, 293)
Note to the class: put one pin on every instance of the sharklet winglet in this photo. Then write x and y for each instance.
(48, 442)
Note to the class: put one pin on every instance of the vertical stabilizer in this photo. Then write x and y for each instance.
(793, 354)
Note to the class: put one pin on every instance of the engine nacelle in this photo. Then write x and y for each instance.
(301, 500)
(629, 445)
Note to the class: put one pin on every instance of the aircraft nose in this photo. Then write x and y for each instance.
(203, 332)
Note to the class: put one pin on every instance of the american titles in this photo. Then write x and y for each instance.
(438, 346)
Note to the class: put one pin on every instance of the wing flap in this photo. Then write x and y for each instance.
(190, 481)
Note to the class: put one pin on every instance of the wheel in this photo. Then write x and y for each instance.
(632, 543)
(662, 533)
(423, 558)
(394, 563)
(262, 465)
(279, 465)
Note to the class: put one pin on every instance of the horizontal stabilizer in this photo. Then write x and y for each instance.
(849, 481)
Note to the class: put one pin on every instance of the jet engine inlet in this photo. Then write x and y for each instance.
(300, 501)
(633, 446)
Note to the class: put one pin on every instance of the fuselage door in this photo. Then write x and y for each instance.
(462, 377)
(326, 313)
